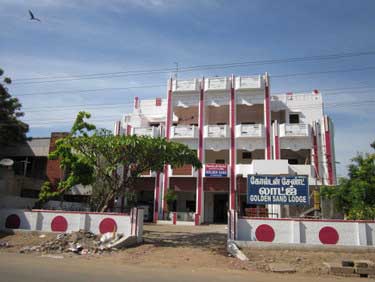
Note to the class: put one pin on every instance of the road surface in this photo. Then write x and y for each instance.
(33, 268)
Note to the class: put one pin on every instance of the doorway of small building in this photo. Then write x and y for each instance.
(220, 208)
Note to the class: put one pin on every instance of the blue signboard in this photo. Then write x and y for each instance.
(278, 190)
(216, 170)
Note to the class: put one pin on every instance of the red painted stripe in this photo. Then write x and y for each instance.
(267, 118)
(232, 147)
(327, 136)
(174, 218)
(156, 197)
(315, 148)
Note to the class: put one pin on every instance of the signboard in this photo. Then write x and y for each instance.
(279, 190)
(216, 170)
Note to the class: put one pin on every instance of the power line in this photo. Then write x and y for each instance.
(66, 92)
(331, 105)
(35, 80)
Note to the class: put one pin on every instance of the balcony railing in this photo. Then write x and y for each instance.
(181, 132)
(294, 130)
(248, 82)
(145, 131)
(249, 130)
(216, 83)
(186, 170)
(216, 131)
(185, 85)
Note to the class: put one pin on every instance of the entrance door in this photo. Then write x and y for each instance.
(220, 208)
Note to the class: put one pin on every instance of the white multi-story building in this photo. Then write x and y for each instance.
(238, 127)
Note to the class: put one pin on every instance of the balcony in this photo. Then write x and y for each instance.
(145, 131)
(191, 85)
(249, 82)
(294, 130)
(216, 131)
(183, 171)
(184, 132)
(216, 84)
(249, 130)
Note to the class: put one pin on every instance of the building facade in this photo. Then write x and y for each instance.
(238, 128)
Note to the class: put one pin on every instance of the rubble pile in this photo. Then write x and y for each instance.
(80, 242)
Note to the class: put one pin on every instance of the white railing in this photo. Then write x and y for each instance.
(249, 130)
(248, 82)
(185, 85)
(294, 130)
(151, 131)
(216, 131)
(184, 132)
(216, 83)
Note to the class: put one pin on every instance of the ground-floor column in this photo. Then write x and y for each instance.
(156, 197)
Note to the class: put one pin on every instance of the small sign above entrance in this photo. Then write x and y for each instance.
(216, 170)
(279, 190)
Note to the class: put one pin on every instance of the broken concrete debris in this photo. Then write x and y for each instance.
(82, 243)
(4, 244)
(352, 268)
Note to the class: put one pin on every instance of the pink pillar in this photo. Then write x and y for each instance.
(267, 116)
(168, 124)
(136, 102)
(156, 197)
(232, 125)
(128, 129)
(199, 192)
(276, 141)
(327, 136)
(315, 149)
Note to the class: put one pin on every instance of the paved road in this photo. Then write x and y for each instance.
(31, 268)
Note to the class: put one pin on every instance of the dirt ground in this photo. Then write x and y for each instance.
(305, 261)
(202, 247)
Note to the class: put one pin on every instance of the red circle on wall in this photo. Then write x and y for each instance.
(13, 221)
(265, 233)
(59, 224)
(328, 235)
(107, 225)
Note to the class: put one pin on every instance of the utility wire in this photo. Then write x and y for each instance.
(49, 79)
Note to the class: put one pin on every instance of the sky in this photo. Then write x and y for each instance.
(85, 37)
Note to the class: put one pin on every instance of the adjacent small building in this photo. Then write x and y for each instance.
(238, 128)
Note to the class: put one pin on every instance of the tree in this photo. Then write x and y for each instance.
(11, 128)
(111, 164)
(355, 195)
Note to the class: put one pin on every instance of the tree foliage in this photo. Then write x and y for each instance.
(111, 164)
(11, 128)
(355, 195)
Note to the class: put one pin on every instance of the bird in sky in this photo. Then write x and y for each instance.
(32, 17)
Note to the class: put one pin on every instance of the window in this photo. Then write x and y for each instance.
(246, 155)
(155, 124)
(221, 123)
(193, 124)
(219, 161)
(294, 118)
(292, 161)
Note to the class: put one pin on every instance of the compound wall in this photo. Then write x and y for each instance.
(304, 231)
(68, 221)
